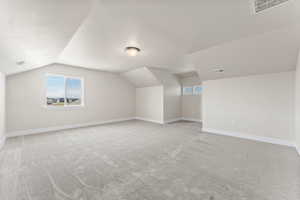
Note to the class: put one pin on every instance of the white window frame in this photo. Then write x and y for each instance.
(184, 94)
(65, 78)
(194, 90)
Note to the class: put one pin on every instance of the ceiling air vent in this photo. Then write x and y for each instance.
(261, 5)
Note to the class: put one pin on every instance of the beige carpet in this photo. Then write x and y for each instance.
(137, 160)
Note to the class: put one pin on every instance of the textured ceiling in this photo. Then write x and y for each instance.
(173, 35)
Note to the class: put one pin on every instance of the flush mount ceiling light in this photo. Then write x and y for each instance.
(219, 70)
(132, 51)
(20, 62)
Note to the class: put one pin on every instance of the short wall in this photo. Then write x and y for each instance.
(149, 104)
(297, 105)
(258, 106)
(191, 107)
(2, 109)
(172, 94)
(107, 97)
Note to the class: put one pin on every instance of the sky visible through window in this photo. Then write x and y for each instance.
(192, 90)
(198, 89)
(73, 88)
(63, 90)
(55, 86)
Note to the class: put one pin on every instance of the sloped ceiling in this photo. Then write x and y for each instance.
(189, 78)
(147, 77)
(101, 40)
(172, 34)
(141, 77)
(36, 31)
(266, 53)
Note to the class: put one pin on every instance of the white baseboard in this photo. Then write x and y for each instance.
(59, 128)
(2, 141)
(149, 120)
(250, 137)
(191, 119)
(172, 120)
(168, 121)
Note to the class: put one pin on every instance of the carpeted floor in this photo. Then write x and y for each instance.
(138, 160)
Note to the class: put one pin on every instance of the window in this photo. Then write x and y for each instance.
(187, 91)
(192, 90)
(197, 90)
(55, 90)
(73, 91)
(64, 91)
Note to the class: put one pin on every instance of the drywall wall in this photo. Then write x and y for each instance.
(107, 97)
(158, 86)
(297, 105)
(258, 106)
(191, 104)
(150, 103)
(172, 103)
(172, 95)
(191, 107)
(2, 109)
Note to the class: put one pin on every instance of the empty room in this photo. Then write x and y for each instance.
(149, 100)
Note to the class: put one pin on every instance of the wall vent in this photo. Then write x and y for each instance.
(261, 5)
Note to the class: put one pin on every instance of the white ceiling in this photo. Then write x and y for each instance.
(141, 77)
(270, 52)
(37, 31)
(100, 41)
(172, 34)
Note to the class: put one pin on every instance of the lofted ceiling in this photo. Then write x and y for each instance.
(179, 36)
(36, 31)
(270, 52)
(142, 77)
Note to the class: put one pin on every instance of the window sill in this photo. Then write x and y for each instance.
(72, 107)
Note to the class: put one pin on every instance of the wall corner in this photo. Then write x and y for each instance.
(2, 142)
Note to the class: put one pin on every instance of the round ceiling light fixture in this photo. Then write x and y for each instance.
(22, 62)
(132, 51)
(219, 70)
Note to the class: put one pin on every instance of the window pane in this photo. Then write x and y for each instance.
(55, 90)
(197, 90)
(188, 91)
(73, 91)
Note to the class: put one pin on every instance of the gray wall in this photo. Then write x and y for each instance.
(191, 104)
(261, 105)
(172, 94)
(191, 107)
(2, 108)
(149, 103)
(146, 79)
(297, 105)
(107, 97)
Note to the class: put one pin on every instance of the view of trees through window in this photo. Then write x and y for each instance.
(64, 91)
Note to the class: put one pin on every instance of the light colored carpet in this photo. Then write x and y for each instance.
(137, 160)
